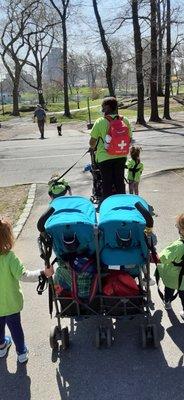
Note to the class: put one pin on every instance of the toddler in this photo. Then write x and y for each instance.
(57, 187)
(135, 168)
(11, 298)
(171, 267)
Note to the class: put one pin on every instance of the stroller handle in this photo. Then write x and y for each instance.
(145, 213)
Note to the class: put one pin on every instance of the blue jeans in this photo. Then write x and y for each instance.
(14, 324)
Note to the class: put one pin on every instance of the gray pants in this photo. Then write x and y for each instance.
(41, 124)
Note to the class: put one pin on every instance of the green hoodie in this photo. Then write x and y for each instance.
(168, 272)
(11, 296)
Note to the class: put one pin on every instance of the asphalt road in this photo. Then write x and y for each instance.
(125, 371)
(26, 158)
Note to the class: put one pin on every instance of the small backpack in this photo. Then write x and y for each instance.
(117, 140)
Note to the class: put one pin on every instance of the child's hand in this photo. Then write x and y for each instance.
(49, 271)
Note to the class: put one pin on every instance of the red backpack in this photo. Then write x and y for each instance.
(117, 140)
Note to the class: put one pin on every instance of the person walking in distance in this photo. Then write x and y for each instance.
(40, 114)
(111, 136)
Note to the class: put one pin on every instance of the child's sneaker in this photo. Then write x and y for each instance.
(22, 358)
(167, 305)
(4, 350)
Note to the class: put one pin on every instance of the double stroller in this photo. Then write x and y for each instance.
(101, 264)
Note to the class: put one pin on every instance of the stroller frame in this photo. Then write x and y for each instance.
(103, 307)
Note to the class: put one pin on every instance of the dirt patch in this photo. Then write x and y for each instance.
(12, 201)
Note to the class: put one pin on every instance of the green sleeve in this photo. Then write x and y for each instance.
(173, 252)
(99, 128)
(16, 266)
(130, 163)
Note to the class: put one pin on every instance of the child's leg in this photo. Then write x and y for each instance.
(14, 324)
(131, 187)
(168, 294)
(136, 188)
(2, 331)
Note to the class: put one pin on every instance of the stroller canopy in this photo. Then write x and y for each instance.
(122, 240)
(71, 225)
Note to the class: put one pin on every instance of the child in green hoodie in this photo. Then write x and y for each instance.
(135, 168)
(171, 261)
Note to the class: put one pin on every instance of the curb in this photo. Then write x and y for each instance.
(27, 209)
(161, 171)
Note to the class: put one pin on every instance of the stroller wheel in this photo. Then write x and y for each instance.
(54, 336)
(65, 338)
(98, 338)
(109, 337)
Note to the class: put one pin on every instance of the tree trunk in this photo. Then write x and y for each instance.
(153, 78)
(160, 50)
(138, 58)
(168, 65)
(65, 70)
(15, 112)
(106, 49)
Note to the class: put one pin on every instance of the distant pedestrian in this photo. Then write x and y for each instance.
(40, 114)
(111, 136)
(135, 168)
(11, 298)
(171, 268)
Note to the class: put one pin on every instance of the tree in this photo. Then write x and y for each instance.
(62, 10)
(39, 45)
(161, 30)
(13, 42)
(153, 78)
(139, 63)
(106, 48)
(168, 64)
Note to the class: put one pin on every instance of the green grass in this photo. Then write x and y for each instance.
(82, 115)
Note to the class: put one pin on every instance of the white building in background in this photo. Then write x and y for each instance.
(53, 66)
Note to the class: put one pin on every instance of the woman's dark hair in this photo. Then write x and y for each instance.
(111, 102)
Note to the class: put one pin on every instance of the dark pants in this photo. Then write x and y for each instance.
(14, 324)
(112, 172)
(169, 293)
(41, 127)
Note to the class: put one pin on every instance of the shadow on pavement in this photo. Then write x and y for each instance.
(18, 384)
(175, 331)
(125, 371)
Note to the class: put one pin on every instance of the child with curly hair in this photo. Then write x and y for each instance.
(135, 168)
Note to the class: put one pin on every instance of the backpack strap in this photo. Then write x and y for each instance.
(134, 170)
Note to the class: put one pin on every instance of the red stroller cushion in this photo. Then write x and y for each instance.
(120, 283)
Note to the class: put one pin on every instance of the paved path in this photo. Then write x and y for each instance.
(83, 372)
(125, 370)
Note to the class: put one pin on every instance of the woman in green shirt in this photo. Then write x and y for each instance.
(111, 166)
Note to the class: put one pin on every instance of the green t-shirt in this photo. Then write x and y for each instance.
(11, 296)
(99, 131)
(168, 272)
(136, 177)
